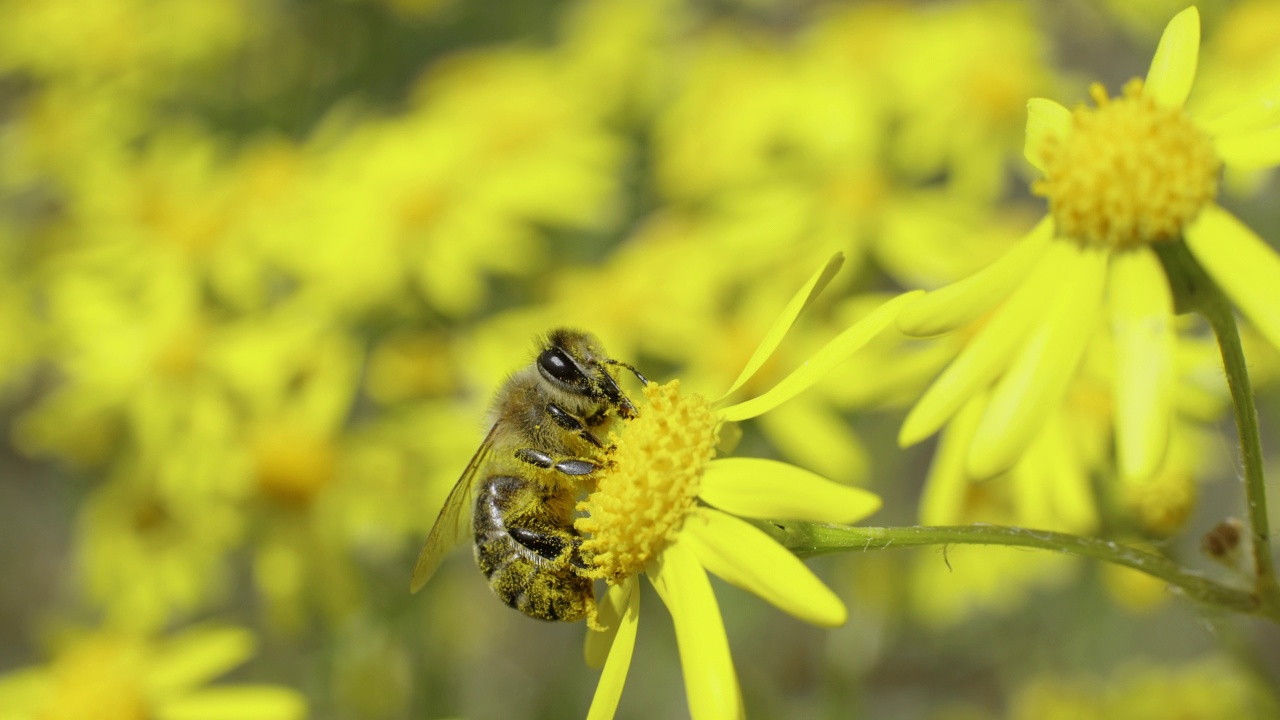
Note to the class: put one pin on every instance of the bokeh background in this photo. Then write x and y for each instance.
(262, 265)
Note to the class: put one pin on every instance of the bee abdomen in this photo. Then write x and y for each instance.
(527, 565)
(494, 546)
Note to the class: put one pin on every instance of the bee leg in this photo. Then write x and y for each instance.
(562, 547)
(568, 466)
(570, 422)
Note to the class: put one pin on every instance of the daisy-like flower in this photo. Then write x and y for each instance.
(665, 508)
(126, 677)
(1121, 178)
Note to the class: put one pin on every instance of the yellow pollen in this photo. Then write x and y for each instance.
(1128, 172)
(651, 483)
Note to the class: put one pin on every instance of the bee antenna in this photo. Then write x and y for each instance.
(641, 378)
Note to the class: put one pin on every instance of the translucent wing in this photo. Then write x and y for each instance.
(453, 525)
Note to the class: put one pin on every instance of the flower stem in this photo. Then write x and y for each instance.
(1196, 291)
(807, 540)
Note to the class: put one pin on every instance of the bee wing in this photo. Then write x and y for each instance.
(453, 525)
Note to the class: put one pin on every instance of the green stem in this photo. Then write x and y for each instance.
(1196, 291)
(807, 540)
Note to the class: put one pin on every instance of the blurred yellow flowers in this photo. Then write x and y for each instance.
(261, 265)
(124, 677)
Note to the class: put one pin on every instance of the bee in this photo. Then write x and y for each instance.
(516, 497)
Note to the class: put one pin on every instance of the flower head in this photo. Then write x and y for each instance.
(128, 677)
(667, 508)
(1129, 172)
(641, 500)
(1122, 178)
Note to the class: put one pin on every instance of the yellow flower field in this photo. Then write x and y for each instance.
(968, 272)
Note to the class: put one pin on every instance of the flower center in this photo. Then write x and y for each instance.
(1129, 172)
(292, 466)
(650, 484)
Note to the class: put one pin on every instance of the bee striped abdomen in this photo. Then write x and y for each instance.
(529, 564)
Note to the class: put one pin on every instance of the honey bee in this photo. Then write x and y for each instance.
(540, 453)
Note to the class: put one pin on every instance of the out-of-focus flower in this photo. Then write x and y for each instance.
(1130, 173)
(776, 147)
(129, 677)
(1240, 58)
(749, 112)
(961, 78)
(1050, 485)
(621, 52)
(665, 508)
(128, 346)
(148, 557)
(1049, 488)
(124, 43)
(1201, 690)
(497, 146)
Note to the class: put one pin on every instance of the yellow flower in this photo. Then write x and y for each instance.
(665, 508)
(1208, 688)
(146, 556)
(125, 677)
(1120, 178)
(961, 75)
(623, 52)
(130, 44)
(497, 146)
(1239, 57)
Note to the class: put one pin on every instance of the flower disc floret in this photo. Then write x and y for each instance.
(650, 484)
(1128, 172)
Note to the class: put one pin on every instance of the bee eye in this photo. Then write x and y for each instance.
(556, 365)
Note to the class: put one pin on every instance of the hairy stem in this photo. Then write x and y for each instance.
(807, 540)
(1196, 291)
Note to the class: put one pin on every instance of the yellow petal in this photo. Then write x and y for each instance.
(1045, 119)
(1249, 151)
(709, 678)
(989, 352)
(609, 611)
(943, 501)
(243, 702)
(1173, 68)
(1258, 112)
(784, 322)
(198, 656)
(744, 556)
(960, 303)
(1038, 378)
(1063, 475)
(768, 489)
(624, 600)
(1142, 323)
(1246, 267)
(24, 692)
(840, 348)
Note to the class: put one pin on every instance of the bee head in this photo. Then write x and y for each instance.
(575, 362)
